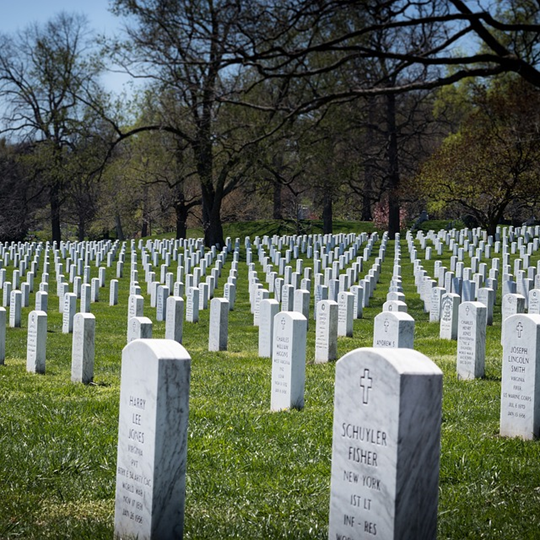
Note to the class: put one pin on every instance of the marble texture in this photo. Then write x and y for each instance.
(36, 342)
(85, 298)
(393, 329)
(174, 322)
(113, 292)
(287, 298)
(135, 306)
(435, 304)
(386, 445)
(345, 314)
(70, 305)
(301, 303)
(192, 305)
(218, 332)
(268, 310)
(326, 331)
(395, 305)
(42, 301)
(161, 302)
(139, 328)
(512, 304)
(321, 293)
(152, 440)
(15, 309)
(288, 361)
(260, 294)
(229, 292)
(486, 296)
(82, 348)
(358, 294)
(471, 340)
(534, 302)
(449, 316)
(520, 387)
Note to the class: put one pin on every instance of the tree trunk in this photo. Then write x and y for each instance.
(393, 168)
(368, 166)
(81, 233)
(118, 226)
(211, 199)
(55, 213)
(327, 212)
(277, 211)
(213, 229)
(145, 224)
(181, 219)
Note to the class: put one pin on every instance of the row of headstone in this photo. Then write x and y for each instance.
(387, 418)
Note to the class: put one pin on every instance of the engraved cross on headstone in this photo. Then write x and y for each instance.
(366, 382)
(519, 329)
(386, 325)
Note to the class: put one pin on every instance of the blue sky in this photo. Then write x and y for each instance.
(18, 14)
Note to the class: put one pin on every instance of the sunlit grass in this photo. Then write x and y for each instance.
(251, 473)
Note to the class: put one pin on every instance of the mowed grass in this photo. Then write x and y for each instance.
(251, 473)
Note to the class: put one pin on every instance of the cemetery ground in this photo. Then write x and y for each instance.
(251, 473)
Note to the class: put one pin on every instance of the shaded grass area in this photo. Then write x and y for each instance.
(251, 473)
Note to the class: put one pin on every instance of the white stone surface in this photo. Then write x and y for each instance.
(70, 304)
(394, 329)
(82, 348)
(486, 296)
(139, 328)
(520, 387)
(471, 340)
(174, 322)
(36, 343)
(386, 445)
(395, 305)
(135, 306)
(301, 302)
(326, 331)
(152, 440)
(192, 305)
(268, 310)
(218, 333)
(449, 316)
(512, 304)
(113, 292)
(15, 309)
(288, 361)
(345, 314)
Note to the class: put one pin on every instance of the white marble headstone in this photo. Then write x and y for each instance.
(268, 310)
(36, 344)
(386, 445)
(449, 316)
(82, 349)
(174, 321)
(219, 324)
(345, 314)
(520, 387)
(288, 361)
(326, 331)
(152, 440)
(471, 340)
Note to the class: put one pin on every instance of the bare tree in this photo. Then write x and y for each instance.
(45, 71)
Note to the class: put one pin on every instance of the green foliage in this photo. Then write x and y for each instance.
(489, 168)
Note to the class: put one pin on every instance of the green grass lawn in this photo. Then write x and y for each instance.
(251, 473)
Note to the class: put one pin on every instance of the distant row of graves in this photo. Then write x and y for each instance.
(387, 409)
